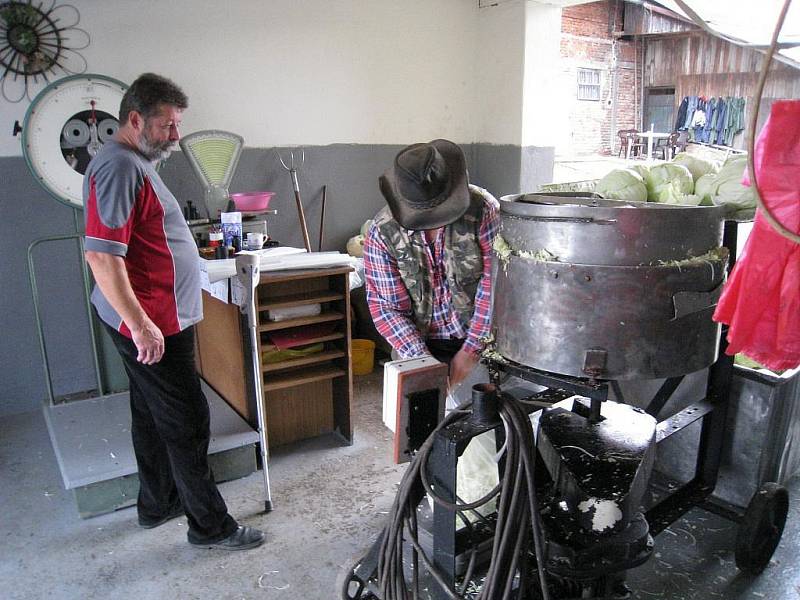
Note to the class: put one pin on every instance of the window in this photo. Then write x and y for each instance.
(588, 84)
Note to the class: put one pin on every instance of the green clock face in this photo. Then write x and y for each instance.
(66, 124)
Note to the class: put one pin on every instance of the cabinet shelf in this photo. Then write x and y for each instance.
(311, 359)
(287, 380)
(298, 300)
(330, 315)
(337, 335)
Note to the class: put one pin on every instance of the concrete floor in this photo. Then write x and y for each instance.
(330, 500)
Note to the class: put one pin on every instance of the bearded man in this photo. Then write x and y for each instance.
(144, 261)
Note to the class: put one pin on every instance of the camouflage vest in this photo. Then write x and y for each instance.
(463, 260)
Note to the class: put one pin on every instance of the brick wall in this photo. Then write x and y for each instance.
(587, 42)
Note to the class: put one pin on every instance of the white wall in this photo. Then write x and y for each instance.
(290, 72)
(500, 45)
(544, 105)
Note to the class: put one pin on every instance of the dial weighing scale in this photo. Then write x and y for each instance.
(64, 127)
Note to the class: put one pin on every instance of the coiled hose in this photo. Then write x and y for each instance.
(517, 518)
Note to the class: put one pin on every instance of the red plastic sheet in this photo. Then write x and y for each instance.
(761, 300)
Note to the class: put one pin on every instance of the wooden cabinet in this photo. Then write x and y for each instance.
(304, 396)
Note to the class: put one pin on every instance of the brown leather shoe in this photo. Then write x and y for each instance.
(243, 538)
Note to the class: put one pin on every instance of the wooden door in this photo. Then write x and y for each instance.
(659, 109)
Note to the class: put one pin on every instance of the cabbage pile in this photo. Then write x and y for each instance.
(687, 180)
(726, 186)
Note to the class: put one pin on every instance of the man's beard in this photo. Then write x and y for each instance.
(153, 151)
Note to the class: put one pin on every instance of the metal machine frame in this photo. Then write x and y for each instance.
(762, 517)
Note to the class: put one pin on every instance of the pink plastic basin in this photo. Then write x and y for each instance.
(250, 201)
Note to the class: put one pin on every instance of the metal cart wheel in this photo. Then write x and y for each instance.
(351, 586)
(761, 528)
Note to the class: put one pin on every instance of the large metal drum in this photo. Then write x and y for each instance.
(607, 289)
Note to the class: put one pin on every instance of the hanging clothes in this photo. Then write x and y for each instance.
(761, 300)
(681, 118)
(735, 121)
(720, 125)
(711, 109)
(698, 120)
(690, 108)
(711, 121)
(719, 121)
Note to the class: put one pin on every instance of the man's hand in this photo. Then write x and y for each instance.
(149, 341)
(461, 366)
(112, 278)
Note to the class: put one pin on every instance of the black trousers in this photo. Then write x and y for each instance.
(170, 431)
(444, 350)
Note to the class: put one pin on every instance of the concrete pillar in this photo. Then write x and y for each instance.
(516, 67)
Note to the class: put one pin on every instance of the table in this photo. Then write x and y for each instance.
(651, 135)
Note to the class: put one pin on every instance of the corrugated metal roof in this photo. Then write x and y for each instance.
(750, 22)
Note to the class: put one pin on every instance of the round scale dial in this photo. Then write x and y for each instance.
(65, 126)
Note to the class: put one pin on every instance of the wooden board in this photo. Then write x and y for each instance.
(311, 359)
(222, 359)
(324, 317)
(299, 412)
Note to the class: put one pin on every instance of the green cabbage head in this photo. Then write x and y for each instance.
(668, 182)
(642, 170)
(726, 186)
(705, 187)
(697, 166)
(622, 184)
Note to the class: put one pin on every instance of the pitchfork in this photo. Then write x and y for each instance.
(300, 212)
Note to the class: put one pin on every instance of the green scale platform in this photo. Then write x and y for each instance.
(92, 443)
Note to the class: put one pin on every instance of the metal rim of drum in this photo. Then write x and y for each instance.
(584, 230)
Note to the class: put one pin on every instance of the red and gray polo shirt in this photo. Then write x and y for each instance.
(130, 213)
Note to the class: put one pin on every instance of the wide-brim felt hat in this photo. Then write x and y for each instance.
(427, 186)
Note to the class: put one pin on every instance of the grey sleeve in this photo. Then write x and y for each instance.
(111, 189)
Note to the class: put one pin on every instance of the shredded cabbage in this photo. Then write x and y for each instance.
(686, 200)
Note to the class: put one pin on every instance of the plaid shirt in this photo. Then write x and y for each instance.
(390, 304)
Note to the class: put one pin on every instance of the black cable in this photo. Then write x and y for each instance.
(518, 519)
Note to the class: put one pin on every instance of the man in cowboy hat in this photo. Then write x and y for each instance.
(427, 258)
